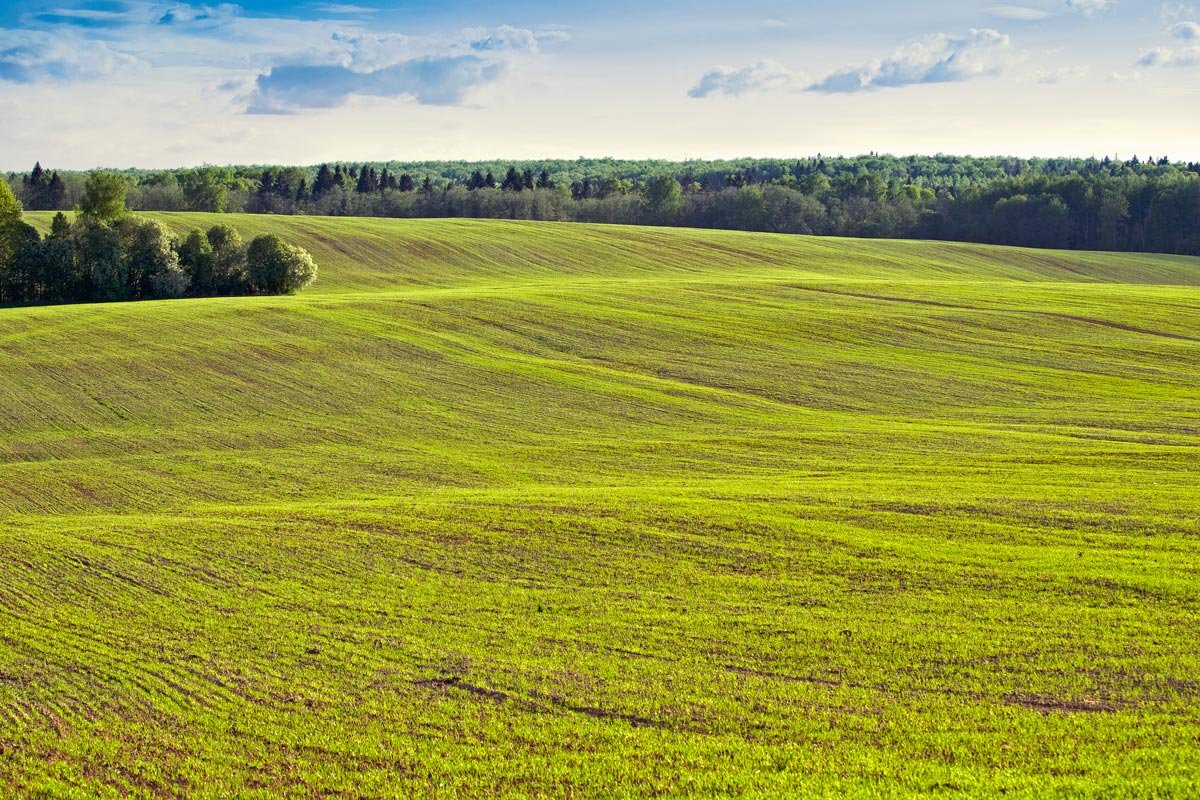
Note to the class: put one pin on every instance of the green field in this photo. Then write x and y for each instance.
(520, 509)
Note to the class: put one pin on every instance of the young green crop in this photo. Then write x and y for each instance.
(514, 509)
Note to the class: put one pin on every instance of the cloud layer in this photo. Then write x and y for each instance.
(34, 56)
(937, 59)
(763, 76)
(391, 66)
(1186, 56)
(429, 80)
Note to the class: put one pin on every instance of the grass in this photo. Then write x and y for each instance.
(514, 509)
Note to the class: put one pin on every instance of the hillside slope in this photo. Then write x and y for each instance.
(514, 508)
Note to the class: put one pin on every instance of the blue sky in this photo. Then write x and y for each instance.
(154, 84)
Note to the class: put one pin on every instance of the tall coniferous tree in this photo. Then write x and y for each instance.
(364, 184)
(56, 192)
(325, 182)
(512, 181)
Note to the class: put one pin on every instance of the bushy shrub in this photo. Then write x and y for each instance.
(275, 267)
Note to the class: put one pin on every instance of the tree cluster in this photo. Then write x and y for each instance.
(108, 254)
(1136, 204)
(44, 191)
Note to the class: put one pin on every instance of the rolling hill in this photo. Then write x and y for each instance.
(513, 509)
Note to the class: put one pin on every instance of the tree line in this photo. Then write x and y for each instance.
(1111, 204)
(107, 254)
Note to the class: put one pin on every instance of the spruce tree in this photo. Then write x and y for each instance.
(325, 182)
(512, 181)
(56, 193)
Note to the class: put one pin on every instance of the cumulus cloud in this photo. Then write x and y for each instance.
(1090, 8)
(1167, 57)
(504, 38)
(430, 80)
(390, 66)
(1188, 31)
(1186, 56)
(35, 56)
(764, 76)
(937, 59)
(362, 52)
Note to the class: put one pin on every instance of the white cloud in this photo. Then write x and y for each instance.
(1188, 31)
(937, 59)
(35, 56)
(1167, 57)
(390, 66)
(504, 38)
(429, 80)
(265, 64)
(1186, 56)
(362, 52)
(761, 77)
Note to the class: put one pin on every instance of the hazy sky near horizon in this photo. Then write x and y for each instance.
(154, 84)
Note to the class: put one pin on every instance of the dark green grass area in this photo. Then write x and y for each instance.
(513, 509)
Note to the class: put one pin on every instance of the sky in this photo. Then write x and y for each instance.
(141, 83)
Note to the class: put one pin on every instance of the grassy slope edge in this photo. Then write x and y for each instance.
(515, 508)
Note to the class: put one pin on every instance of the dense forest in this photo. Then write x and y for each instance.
(1102, 204)
(108, 254)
